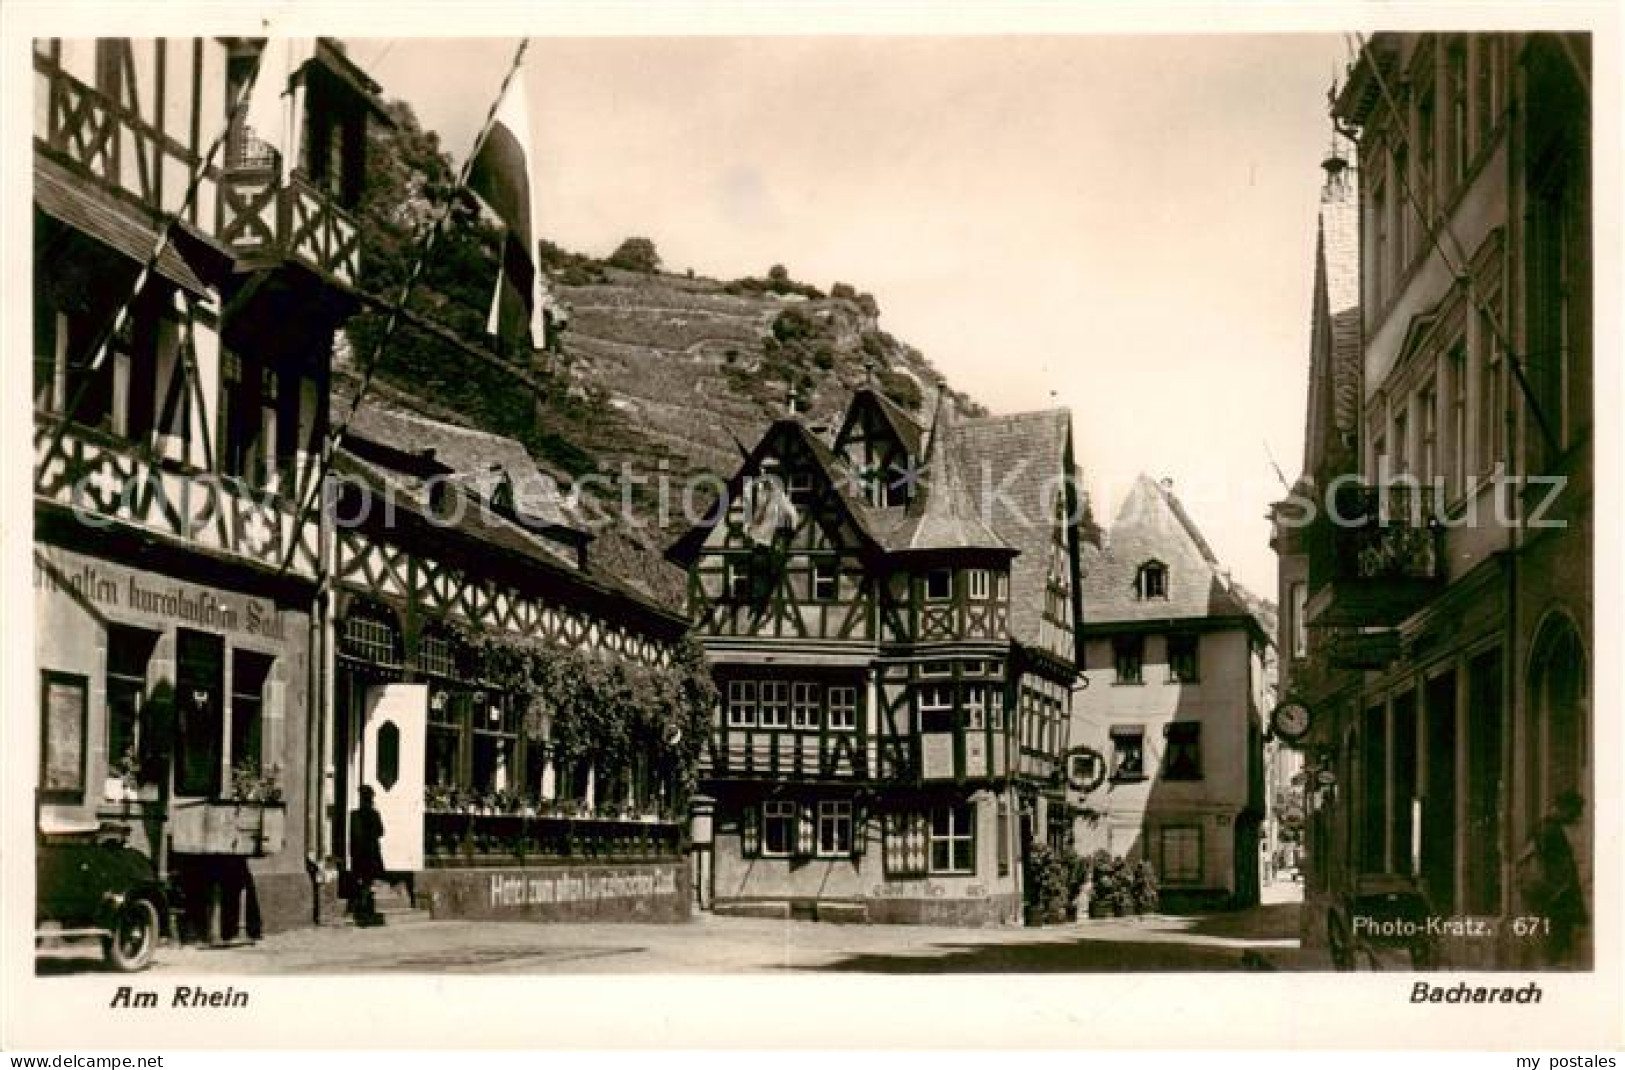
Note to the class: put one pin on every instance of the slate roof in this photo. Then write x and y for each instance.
(78, 203)
(1335, 372)
(410, 433)
(1151, 524)
(1007, 464)
(479, 460)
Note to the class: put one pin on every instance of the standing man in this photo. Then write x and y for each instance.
(366, 857)
(1550, 881)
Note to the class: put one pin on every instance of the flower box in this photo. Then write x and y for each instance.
(253, 829)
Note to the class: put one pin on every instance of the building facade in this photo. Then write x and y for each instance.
(174, 572)
(890, 614)
(1436, 554)
(1178, 673)
(480, 669)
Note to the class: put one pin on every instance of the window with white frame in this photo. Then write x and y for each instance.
(953, 839)
(980, 583)
(805, 703)
(1128, 752)
(741, 704)
(843, 709)
(826, 581)
(775, 704)
(739, 579)
(1151, 581)
(939, 585)
(995, 708)
(834, 827)
(975, 706)
(778, 827)
(936, 707)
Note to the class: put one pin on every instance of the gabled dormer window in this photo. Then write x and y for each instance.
(1151, 581)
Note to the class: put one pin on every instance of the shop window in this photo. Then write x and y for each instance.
(133, 744)
(249, 675)
(843, 709)
(834, 827)
(1182, 760)
(778, 828)
(805, 704)
(1129, 654)
(953, 839)
(1180, 847)
(741, 704)
(1128, 752)
(1183, 664)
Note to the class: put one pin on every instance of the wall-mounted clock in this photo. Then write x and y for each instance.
(1291, 720)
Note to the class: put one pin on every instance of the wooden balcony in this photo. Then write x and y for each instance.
(266, 222)
(1375, 557)
(91, 132)
(246, 205)
(106, 481)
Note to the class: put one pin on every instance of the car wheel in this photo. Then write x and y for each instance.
(1337, 940)
(134, 937)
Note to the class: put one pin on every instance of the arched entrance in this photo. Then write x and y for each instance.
(1556, 743)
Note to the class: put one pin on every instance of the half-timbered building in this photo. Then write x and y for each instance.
(447, 540)
(890, 614)
(174, 572)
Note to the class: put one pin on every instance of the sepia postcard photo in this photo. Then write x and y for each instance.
(812, 522)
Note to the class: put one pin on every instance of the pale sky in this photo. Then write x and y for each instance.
(1120, 224)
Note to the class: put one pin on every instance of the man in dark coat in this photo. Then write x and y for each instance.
(366, 857)
(1552, 891)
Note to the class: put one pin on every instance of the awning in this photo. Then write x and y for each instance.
(77, 202)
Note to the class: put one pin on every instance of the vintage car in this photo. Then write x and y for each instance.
(1381, 916)
(91, 885)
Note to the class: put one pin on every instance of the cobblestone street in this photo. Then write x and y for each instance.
(1262, 938)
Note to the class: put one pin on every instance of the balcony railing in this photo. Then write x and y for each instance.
(116, 145)
(1375, 555)
(104, 479)
(459, 839)
(265, 220)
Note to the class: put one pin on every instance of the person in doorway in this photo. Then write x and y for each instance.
(366, 857)
(1549, 880)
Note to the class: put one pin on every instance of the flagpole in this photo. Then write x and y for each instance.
(105, 339)
(336, 437)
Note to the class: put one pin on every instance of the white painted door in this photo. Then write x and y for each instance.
(392, 755)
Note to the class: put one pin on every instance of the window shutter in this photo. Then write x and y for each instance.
(750, 831)
(807, 830)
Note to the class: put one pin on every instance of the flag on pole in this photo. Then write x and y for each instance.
(503, 178)
(274, 116)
